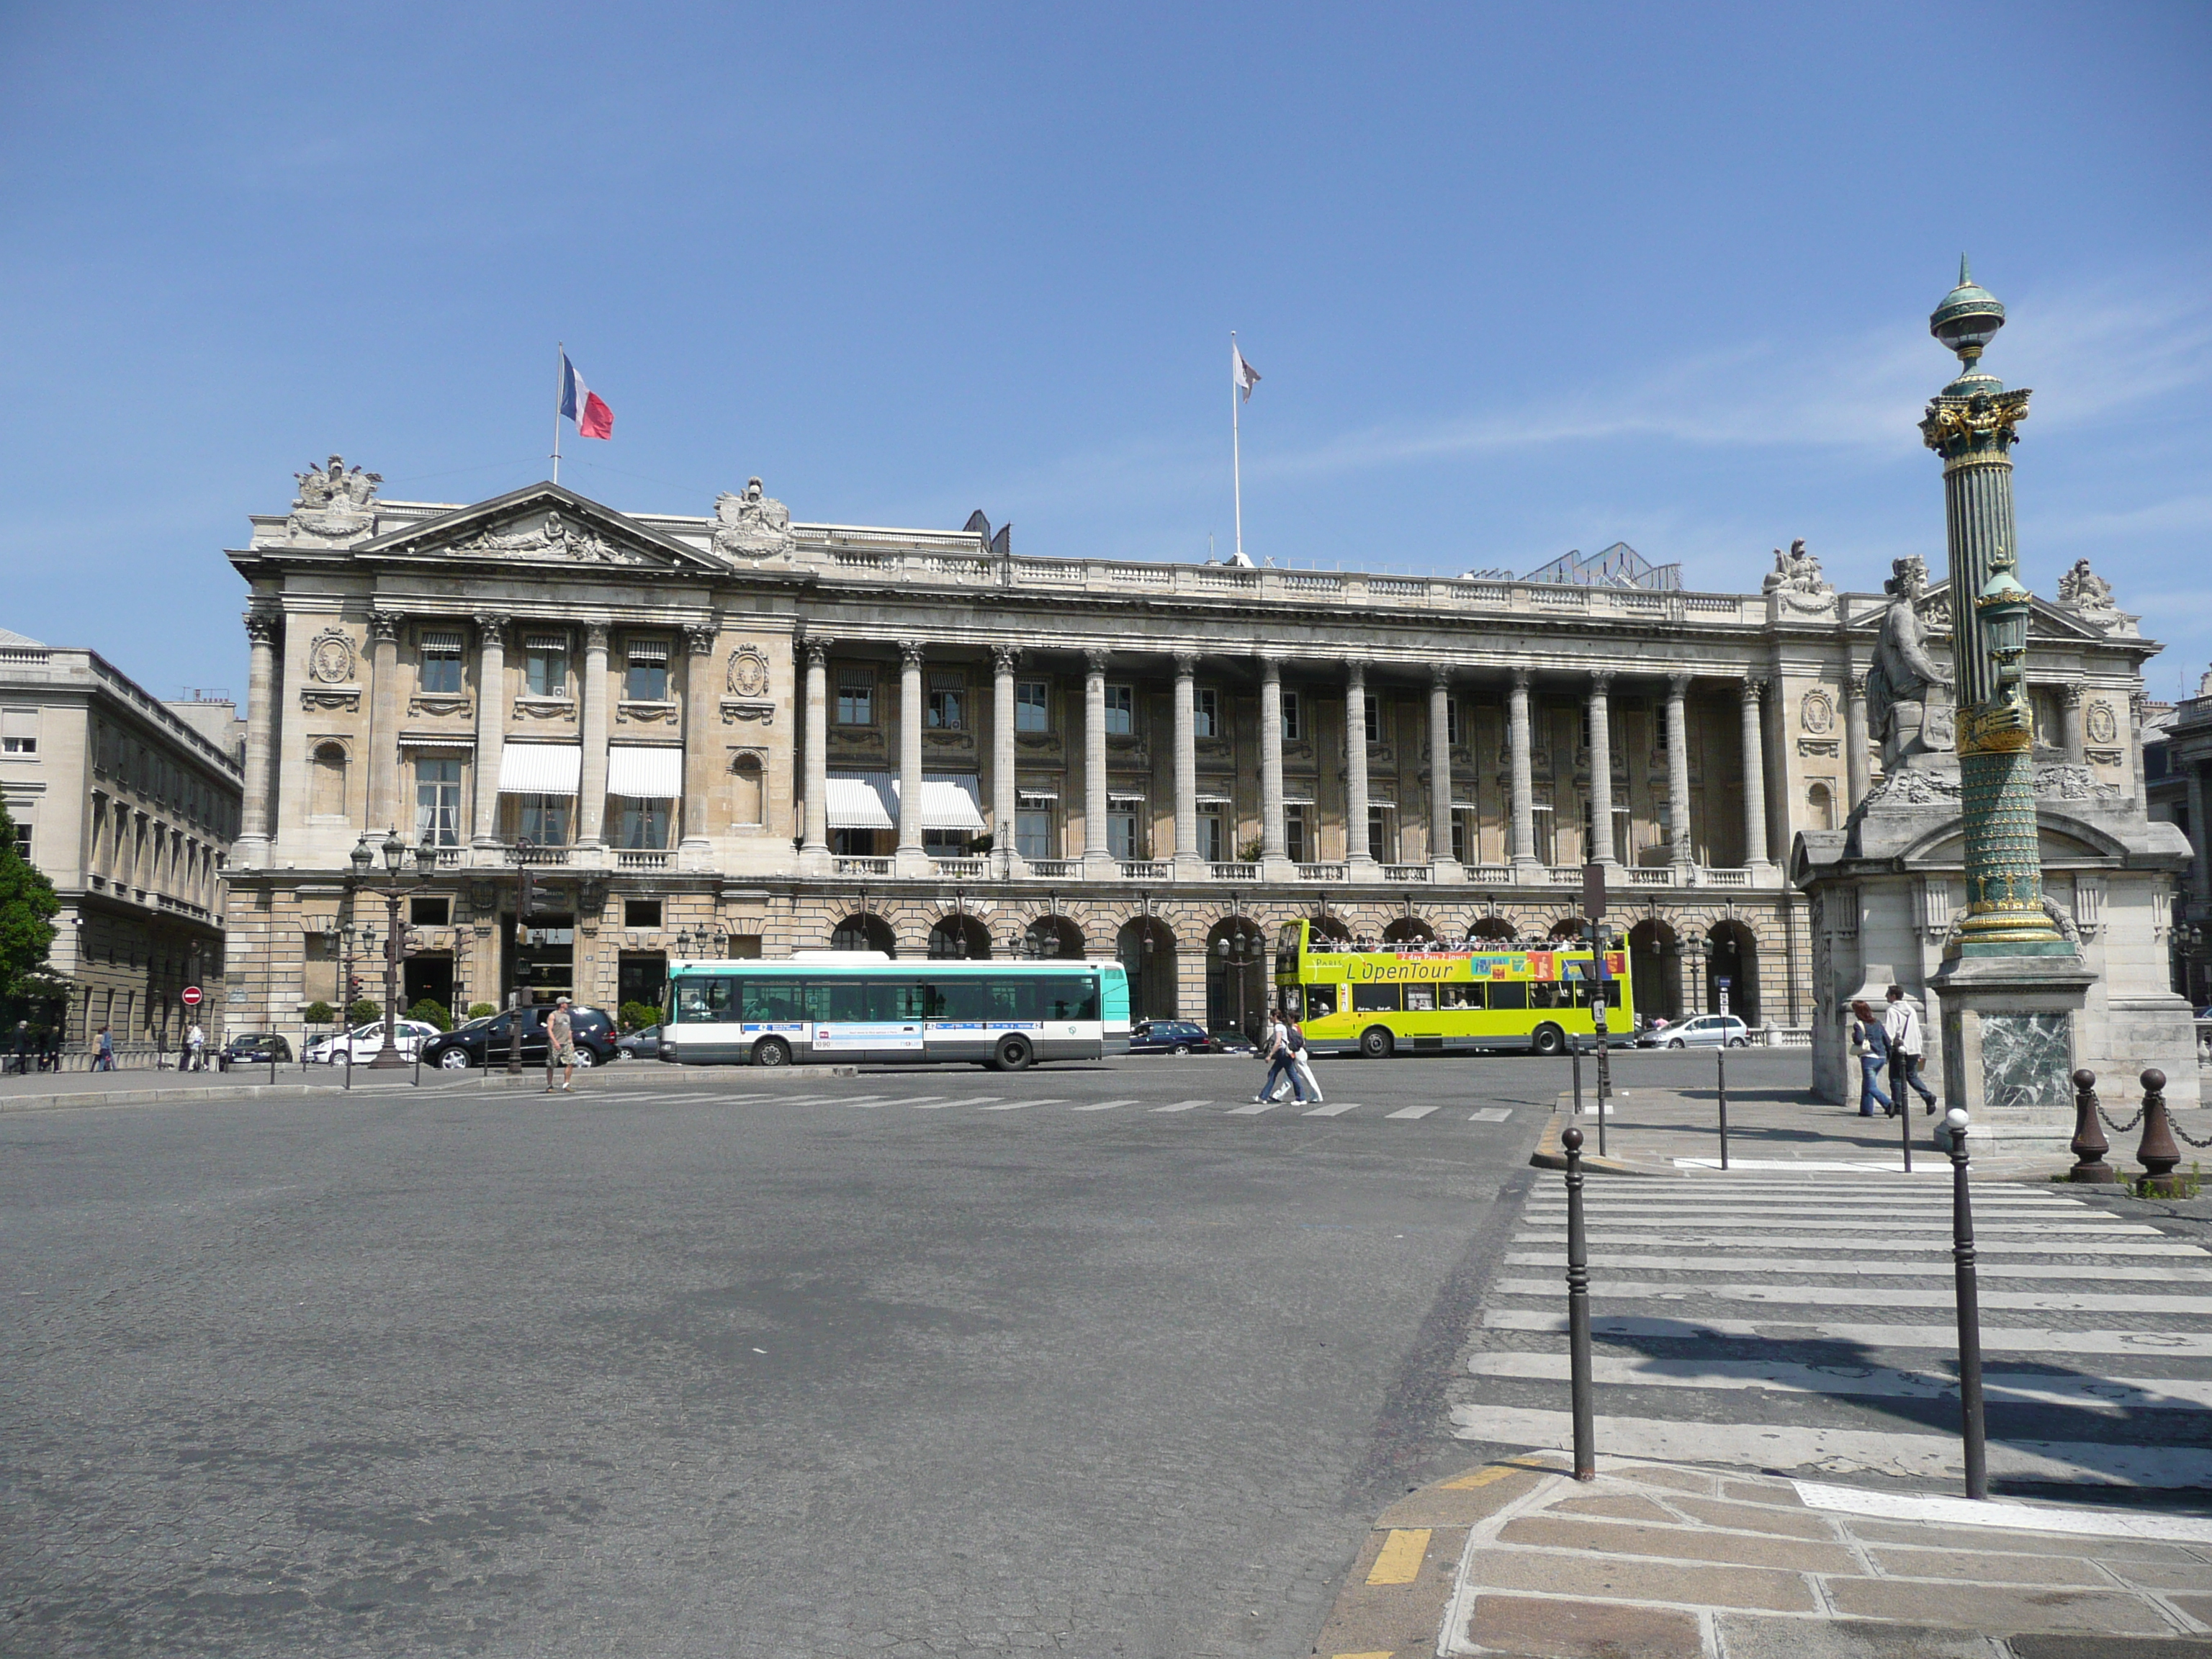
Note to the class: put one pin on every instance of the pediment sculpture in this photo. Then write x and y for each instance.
(552, 536)
(333, 504)
(2089, 596)
(1797, 577)
(751, 525)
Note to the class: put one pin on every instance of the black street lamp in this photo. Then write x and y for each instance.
(1238, 951)
(394, 850)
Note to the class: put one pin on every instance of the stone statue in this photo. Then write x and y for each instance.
(2082, 591)
(753, 526)
(332, 502)
(1902, 675)
(1795, 572)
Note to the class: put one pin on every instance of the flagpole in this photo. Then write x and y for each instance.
(1236, 450)
(560, 385)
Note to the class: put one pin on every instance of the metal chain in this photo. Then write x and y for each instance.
(2185, 1134)
(2118, 1129)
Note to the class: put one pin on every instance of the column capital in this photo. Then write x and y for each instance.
(1005, 659)
(1523, 676)
(1752, 690)
(1601, 682)
(1355, 672)
(699, 637)
(1855, 687)
(1678, 685)
(910, 654)
(1271, 665)
(491, 626)
(261, 623)
(816, 647)
(383, 626)
(1440, 676)
(2076, 693)
(1094, 659)
(1186, 665)
(595, 636)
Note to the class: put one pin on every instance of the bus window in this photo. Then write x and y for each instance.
(1461, 995)
(894, 1000)
(1586, 993)
(1070, 999)
(1508, 994)
(1374, 998)
(1421, 999)
(836, 1001)
(1320, 1001)
(1549, 994)
(701, 998)
(1292, 1000)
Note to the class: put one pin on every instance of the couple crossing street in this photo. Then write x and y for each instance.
(1289, 1059)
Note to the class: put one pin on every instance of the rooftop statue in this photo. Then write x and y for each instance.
(2082, 591)
(1902, 675)
(332, 502)
(753, 526)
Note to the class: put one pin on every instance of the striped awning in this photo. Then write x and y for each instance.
(1205, 799)
(636, 773)
(861, 800)
(540, 769)
(1297, 800)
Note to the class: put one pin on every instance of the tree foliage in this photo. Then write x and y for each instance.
(27, 905)
(363, 1012)
(431, 1012)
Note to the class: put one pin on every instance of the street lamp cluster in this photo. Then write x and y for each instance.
(393, 852)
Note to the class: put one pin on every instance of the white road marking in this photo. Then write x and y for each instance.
(1998, 1513)
(1876, 1296)
(2116, 1394)
(918, 1100)
(1252, 1109)
(1836, 1451)
(1105, 1105)
(1994, 1339)
(942, 1105)
(1898, 1226)
(1182, 1106)
(1765, 1261)
(1415, 1112)
(1557, 1238)
(1492, 1114)
(1334, 1109)
(1022, 1105)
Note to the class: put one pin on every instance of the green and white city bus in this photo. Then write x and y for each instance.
(863, 1006)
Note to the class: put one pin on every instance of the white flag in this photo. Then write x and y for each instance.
(1244, 375)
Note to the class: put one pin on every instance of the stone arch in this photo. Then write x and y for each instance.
(1409, 930)
(1145, 947)
(1655, 969)
(1819, 804)
(327, 763)
(1330, 927)
(1735, 958)
(1236, 987)
(864, 930)
(1494, 930)
(959, 938)
(1567, 927)
(1054, 935)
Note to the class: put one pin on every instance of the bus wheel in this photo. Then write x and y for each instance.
(1548, 1040)
(1012, 1054)
(771, 1051)
(1376, 1044)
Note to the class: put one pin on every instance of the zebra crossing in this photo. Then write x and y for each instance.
(1796, 1322)
(1006, 1097)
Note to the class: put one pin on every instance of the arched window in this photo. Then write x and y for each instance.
(750, 806)
(1820, 807)
(326, 786)
(864, 932)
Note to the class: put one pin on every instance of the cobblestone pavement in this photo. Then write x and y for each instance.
(1083, 1360)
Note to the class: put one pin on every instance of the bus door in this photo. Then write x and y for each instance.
(1423, 1024)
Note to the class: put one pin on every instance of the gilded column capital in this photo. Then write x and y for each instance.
(1005, 659)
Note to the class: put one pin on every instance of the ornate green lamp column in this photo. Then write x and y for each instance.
(1970, 423)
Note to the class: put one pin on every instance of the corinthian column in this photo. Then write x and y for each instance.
(701, 772)
(1678, 773)
(2076, 741)
(911, 860)
(1097, 859)
(1440, 777)
(814, 851)
(1600, 746)
(592, 699)
(1858, 773)
(383, 721)
(1519, 747)
(1357, 851)
(1754, 775)
(491, 722)
(261, 691)
(1274, 843)
(1005, 800)
(1187, 862)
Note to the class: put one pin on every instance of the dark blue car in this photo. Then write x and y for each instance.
(1171, 1036)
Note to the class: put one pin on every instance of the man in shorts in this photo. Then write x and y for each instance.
(560, 1045)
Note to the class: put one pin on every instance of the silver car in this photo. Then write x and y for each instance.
(1706, 1031)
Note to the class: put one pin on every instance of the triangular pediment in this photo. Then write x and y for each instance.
(2046, 621)
(541, 523)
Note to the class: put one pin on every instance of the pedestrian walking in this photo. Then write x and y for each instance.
(195, 1048)
(560, 1045)
(103, 1053)
(22, 1046)
(1902, 1024)
(1870, 1042)
(50, 1058)
(1301, 1063)
(1281, 1060)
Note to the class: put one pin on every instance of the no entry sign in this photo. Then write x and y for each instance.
(190, 996)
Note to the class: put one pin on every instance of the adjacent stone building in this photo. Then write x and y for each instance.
(128, 804)
(735, 733)
(2177, 761)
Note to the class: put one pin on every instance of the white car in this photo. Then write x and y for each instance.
(367, 1041)
(1705, 1031)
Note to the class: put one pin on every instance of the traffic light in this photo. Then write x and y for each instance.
(353, 989)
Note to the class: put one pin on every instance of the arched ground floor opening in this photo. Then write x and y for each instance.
(864, 931)
(1147, 950)
(1238, 965)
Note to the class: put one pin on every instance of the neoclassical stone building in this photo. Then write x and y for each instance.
(737, 733)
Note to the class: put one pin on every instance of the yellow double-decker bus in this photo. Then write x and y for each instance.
(1425, 997)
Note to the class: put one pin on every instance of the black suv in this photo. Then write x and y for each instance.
(486, 1041)
(253, 1049)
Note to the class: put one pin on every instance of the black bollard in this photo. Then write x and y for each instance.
(2156, 1152)
(1903, 1114)
(349, 1054)
(1575, 1054)
(1578, 1332)
(2089, 1145)
(1970, 1311)
(1720, 1070)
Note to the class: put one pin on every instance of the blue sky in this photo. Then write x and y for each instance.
(1519, 279)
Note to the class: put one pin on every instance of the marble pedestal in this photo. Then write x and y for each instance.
(2010, 1038)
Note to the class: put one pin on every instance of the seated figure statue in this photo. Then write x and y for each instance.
(1902, 675)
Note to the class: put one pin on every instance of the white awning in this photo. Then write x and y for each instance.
(861, 800)
(1374, 801)
(1035, 799)
(949, 801)
(1214, 800)
(540, 769)
(648, 650)
(1297, 800)
(1118, 798)
(640, 774)
(442, 639)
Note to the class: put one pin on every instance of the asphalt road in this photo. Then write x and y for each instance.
(935, 1361)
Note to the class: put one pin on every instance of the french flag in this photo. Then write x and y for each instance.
(579, 403)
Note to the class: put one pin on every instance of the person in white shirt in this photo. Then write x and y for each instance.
(1901, 1023)
(196, 1048)
(1281, 1060)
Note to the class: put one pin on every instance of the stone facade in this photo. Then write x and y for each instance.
(1156, 752)
(128, 804)
(2178, 758)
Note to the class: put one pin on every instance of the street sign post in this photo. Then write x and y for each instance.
(1721, 983)
(190, 996)
(1593, 910)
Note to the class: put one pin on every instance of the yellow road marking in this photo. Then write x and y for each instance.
(1400, 1562)
(1484, 1476)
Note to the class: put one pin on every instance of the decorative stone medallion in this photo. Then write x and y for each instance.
(1816, 714)
(748, 674)
(330, 657)
(2103, 728)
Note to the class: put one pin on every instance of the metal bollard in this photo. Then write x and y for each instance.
(1899, 1098)
(2089, 1145)
(1720, 1070)
(1578, 1332)
(1968, 1295)
(349, 1054)
(1575, 1052)
(2157, 1154)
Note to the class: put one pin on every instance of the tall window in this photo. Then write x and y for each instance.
(645, 677)
(438, 802)
(1545, 823)
(1382, 844)
(1033, 827)
(19, 731)
(645, 823)
(1372, 709)
(1124, 833)
(1120, 710)
(947, 710)
(1455, 729)
(441, 664)
(1206, 711)
(856, 696)
(1032, 708)
(327, 786)
(544, 819)
(1293, 718)
(545, 665)
(1462, 839)
(1294, 834)
(1212, 835)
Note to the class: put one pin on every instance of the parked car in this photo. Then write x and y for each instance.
(1171, 1036)
(253, 1049)
(1705, 1031)
(487, 1041)
(367, 1041)
(644, 1044)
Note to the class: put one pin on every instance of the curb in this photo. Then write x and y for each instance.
(1393, 1603)
(1547, 1155)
